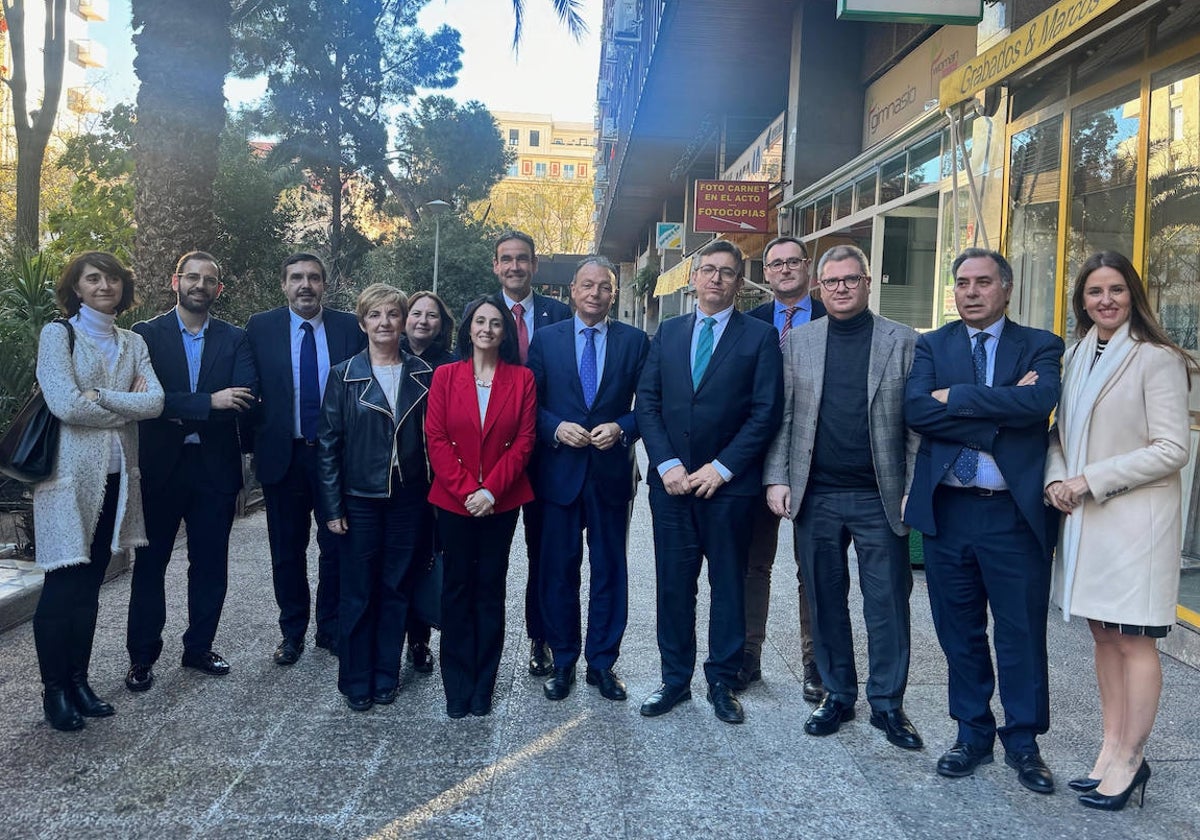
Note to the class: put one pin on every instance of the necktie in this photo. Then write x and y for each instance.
(587, 367)
(967, 462)
(310, 387)
(704, 349)
(788, 314)
(518, 312)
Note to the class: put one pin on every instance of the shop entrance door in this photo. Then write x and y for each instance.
(905, 263)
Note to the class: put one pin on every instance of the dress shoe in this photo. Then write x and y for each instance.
(725, 706)
(611, 686)
(559, 684)
(139, 677)
(59, 710)
(326, 641)
(1117, 801)
(208, 661)
(289, 651)
(481, 707)
(665, 699)
(421, 657)
(85, 700)
(744, 677)
(1032, 772)
(360, 704)
(456, 709)
(1084, 784)
(385, 696)
(541, 663)
(828, 717)
(898, 728)
(961, 760)
(814, 690)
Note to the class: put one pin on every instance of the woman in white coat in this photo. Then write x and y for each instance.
(1119, 442)
(91, 505)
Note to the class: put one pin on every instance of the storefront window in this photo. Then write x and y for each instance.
(891, 179)
(807, 214)
(824, 212)
(864, 191)
(924, 163)
(843, 202)
(1034, 174)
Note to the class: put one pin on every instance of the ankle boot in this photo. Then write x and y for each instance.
(84, 699)
(60, 711)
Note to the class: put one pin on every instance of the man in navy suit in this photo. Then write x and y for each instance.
(980, 394)
(191, 468)
(786, 269)
(586, 370)
(514, 264)
(708, 405)
(294, 347)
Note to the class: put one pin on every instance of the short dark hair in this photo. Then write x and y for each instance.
(1006, 272)
(510, 351)
(515, 234)
(197, 255)
(301, 256)
(781, 240)
(68, 299)
(441, 341)
(724, 246)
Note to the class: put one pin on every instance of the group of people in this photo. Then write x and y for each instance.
(822, 412)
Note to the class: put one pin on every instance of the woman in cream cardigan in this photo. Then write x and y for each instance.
(1119, 442)
(91, 505)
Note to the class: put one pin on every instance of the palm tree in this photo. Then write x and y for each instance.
(567, 11)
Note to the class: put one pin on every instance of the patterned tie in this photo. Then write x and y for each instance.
(787, 324)
(518, 312)
(704, 349)
(967, 462)
(587, 367)
(310, 386)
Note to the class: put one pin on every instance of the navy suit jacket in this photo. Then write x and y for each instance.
(546, 310)
(766, 312)
(1009, 422)
(273, 422)
(561, 470)
(733, 415)
(225, 363)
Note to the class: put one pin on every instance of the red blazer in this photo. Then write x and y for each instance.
(465, 456)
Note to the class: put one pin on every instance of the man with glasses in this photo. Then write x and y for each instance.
(191, 468)
(840, 467)
(708, 405)
(785, 265)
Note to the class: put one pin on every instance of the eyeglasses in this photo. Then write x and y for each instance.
(194, 278)
(790, 262)
(851, 281)
(708, 272)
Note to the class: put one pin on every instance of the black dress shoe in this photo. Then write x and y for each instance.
(828, 717)
(481, 707)
(1032, 772)
(961, 760)
(59, 710)
(289, 651)
(85, 700)
(456, 709)
(208, 661)
(559, 684)
(326, 641)
(725, 706)
(421, 657)
(665, 699)
(1083, 785)
(385, 696)
(814, 690)
(744, 677)
(898, 728)
(139, 677)
(360, 704)
(611, 686)
(541, 663)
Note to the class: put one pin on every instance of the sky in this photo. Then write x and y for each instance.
(551, 74)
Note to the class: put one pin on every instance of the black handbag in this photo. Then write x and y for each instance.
(29, 449)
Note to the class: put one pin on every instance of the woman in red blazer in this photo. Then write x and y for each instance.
(479, 427)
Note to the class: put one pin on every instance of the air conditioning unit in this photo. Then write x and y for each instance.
(627, 26)
(90, 10)
(598, 195)
(603, 90)
(608, 131)
(602, 174)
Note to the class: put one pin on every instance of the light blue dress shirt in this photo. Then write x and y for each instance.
(193, 349)
(987, 474)
(802, 315)
(318, 325)
(601, 342)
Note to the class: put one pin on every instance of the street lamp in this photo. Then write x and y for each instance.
(436, 207)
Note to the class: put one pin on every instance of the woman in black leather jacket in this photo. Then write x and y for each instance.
(374, 479)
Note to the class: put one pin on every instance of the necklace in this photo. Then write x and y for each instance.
(481, 383)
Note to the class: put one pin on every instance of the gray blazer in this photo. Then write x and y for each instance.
(893, 446)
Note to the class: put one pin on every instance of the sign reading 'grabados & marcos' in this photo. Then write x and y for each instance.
(729, 206)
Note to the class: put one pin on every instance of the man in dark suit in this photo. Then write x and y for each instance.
(514, 264)
(708, 404)
(980, 393)
(191, 468)
(586, 370)
(786, 268)
(294, 347)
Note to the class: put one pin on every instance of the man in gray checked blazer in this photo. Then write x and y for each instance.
(840, 467)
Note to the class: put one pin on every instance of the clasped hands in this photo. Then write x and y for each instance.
(1068, 494)
(703, 483)
(602, 437)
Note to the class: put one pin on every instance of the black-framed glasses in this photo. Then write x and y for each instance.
(790, 262)
(708, 272)
(851, 281)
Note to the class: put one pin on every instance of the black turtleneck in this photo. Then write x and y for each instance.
(842, 448)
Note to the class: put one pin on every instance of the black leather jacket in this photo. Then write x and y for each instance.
(359, 438)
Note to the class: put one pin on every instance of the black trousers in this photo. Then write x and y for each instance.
(64, 623)
(417, 631)
(532, 516)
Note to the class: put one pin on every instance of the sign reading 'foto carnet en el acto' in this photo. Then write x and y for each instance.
(731, 207)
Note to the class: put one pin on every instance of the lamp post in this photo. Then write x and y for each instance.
(436, 207)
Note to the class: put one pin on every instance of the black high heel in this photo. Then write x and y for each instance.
(1117, 801)
(1083, 785)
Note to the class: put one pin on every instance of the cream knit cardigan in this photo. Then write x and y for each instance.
(66, 506)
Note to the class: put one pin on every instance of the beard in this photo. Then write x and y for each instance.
(198, 305)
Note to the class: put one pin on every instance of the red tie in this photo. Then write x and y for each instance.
(518, 312)
(787, 324)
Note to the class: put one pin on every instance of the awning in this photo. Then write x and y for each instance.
(674, 279)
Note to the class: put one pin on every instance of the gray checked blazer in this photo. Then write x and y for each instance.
(893, 446)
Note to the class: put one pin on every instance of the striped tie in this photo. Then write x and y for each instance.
(787, 324)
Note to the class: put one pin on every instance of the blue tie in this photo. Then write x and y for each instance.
(310, 386)
(704, 349)
(587, 367)
(967, 462)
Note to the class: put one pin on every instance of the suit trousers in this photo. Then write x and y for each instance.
(687, 530)
(764, 542)
(384, 536)
(825, 526)
(608, 592)
(416, 630)
(475, 557)
(531, 517)
(290, 511)
(189, 497)
(985, 555)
